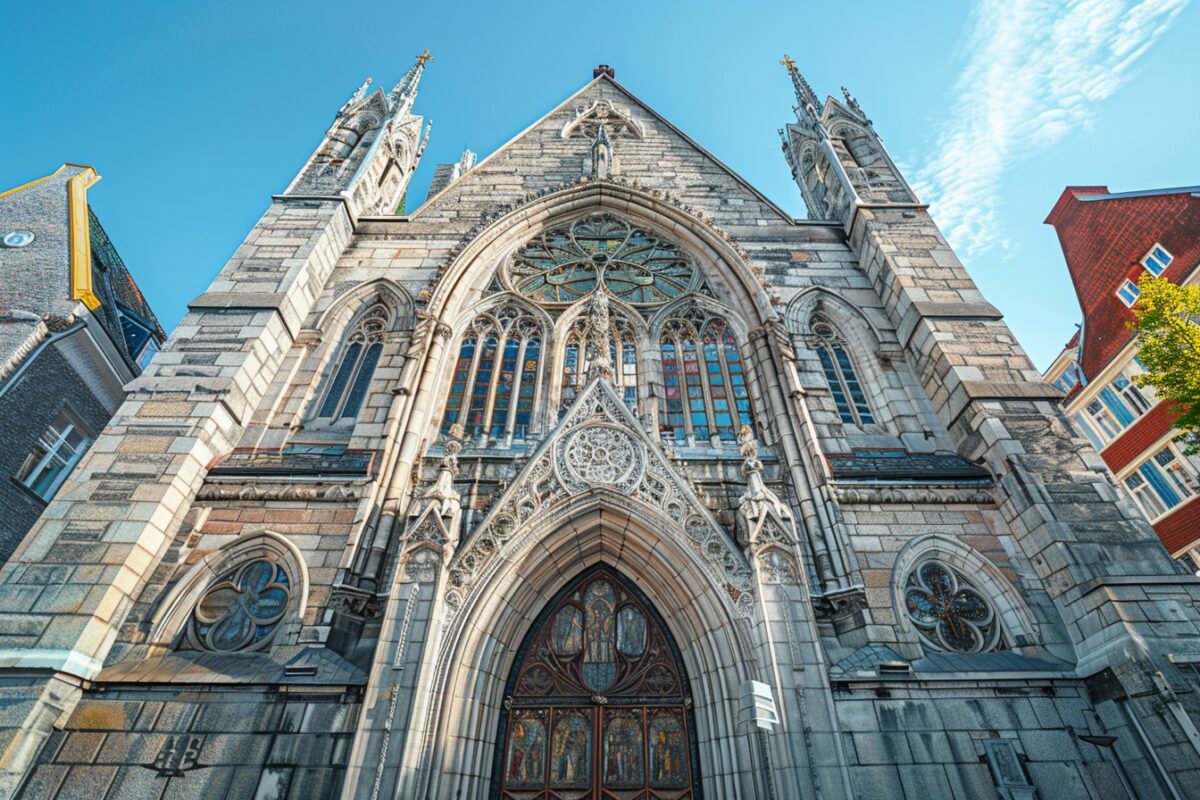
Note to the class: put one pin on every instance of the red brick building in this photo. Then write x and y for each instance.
(1109, 240)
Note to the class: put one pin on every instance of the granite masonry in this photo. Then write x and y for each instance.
(596, 475)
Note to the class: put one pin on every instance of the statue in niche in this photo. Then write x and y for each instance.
(602, 154)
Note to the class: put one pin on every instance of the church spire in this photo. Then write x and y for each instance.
(404, 92)
(805, 96)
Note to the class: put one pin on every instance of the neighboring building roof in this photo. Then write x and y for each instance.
(1104, 236)
(70, 260)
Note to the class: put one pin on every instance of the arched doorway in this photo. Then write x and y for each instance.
(598, 704)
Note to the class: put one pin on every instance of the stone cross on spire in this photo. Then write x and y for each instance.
(805, 95)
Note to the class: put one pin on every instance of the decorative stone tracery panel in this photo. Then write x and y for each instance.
(599, 445)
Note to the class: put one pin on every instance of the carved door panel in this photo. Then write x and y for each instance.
(598, 706)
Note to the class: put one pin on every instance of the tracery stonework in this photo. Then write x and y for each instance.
(596, 475)
(602, 455)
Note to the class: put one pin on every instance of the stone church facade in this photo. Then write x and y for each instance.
(598, 475)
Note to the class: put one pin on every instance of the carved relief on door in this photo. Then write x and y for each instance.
(598, 705)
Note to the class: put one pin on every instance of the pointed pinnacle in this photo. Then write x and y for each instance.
(805, 95)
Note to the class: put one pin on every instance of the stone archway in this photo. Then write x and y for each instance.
(597, 703)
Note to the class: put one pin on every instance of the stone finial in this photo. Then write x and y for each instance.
(599, 332)
(358, 95)
(442, 498)
(851, 101)
(758, 508)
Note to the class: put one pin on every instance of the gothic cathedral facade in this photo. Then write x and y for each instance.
(596, 476)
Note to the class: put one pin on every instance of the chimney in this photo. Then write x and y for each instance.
(604, 69)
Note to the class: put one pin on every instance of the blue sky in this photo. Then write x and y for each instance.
(195, 113)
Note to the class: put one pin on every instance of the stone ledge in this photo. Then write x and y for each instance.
(927, 309)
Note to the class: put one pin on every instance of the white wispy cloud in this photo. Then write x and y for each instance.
(1035, 71)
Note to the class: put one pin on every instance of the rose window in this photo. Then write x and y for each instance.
(636, 266)
(603, 455)
(949, 613)
(243, 608)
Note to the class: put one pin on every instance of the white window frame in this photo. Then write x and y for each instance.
(56, 439)
(1128, 293)
(1182, 477)
(1155, 256)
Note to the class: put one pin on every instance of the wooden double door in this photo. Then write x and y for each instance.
(598, 705)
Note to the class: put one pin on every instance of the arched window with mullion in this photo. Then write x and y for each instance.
(622, 354)
(704, 385)
(848, 394)
(347, 390)
(494, 385)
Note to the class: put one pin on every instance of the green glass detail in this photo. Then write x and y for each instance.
(636, 266)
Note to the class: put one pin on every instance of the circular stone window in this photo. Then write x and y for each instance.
(18, 238)
(948, 612)
(567, 263)
(242, 609)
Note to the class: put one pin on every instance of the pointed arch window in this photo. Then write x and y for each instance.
(839, 371)
(495, 383)
(622, 353)
(351, 380)
(704, 381)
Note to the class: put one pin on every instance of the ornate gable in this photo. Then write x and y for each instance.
(599, 446)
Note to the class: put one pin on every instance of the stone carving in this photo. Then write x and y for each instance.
(601, 455)
(762, 518)
(602, 154)
(776, 567)
(590, 119)
(421, 566)
(356, 602)
(178, 756)
(599, 443)
(599, 329)
(940, 495)
(280, 491)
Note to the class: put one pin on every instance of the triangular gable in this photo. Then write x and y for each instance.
(629, 97)
(599, 445)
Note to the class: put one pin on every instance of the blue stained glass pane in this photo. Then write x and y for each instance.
(338, 386)
(362, 381)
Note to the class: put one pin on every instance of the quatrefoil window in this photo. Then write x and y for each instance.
(948, 612)
(243, 608)
(635, 265)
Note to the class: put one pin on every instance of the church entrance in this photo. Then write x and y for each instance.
(598, 706)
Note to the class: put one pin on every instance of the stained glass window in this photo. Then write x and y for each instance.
(243, 608)
(704, 381)
(494, 385)
(948, 612)
(637, 266)
(622, 354)
(347, 389)
(598, 701)
(843, 381)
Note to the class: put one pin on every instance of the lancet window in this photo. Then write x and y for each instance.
(622, 354)
(350, 381)
(495, 381)
(839, 372)
(704, 381)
